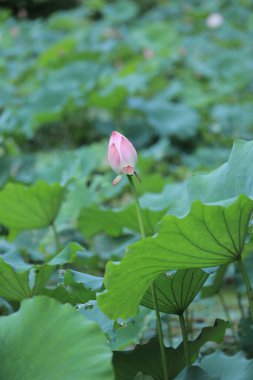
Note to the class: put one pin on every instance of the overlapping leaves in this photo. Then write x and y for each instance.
(19, 280)
(207, 236)
(146, 358)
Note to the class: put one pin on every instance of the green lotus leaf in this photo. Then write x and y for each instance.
(208, 236)
(29, 207)
(47, 340)
(175, 292)
(235, 367)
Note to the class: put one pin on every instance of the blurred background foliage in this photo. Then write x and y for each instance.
(174, 71)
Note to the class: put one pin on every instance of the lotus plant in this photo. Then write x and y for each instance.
(122, 158)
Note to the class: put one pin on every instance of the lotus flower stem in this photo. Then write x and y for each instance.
(248, 286)
(170, 336)
(240, 305)
(137, 204)
(155, 302)
(185, 340)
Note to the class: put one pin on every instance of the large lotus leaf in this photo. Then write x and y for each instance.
(206, 237)
(165, 199)
(114, 222)
(47, 340)
(175, 292)
(146, 358)
(235, 367)
(226, 182)
(24, 208)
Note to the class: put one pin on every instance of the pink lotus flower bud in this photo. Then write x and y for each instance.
(122, 156)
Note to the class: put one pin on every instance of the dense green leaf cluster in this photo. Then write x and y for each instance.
(162, 72)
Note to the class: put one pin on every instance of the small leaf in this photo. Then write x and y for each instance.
(42, 274)
(88, 281)
(25, 208)
(81, 286)
(56, 342)
(14, 285)
(175, 292)
(67, 255)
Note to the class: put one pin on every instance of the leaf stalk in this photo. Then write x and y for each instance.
(248, 286)
(185, 340)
